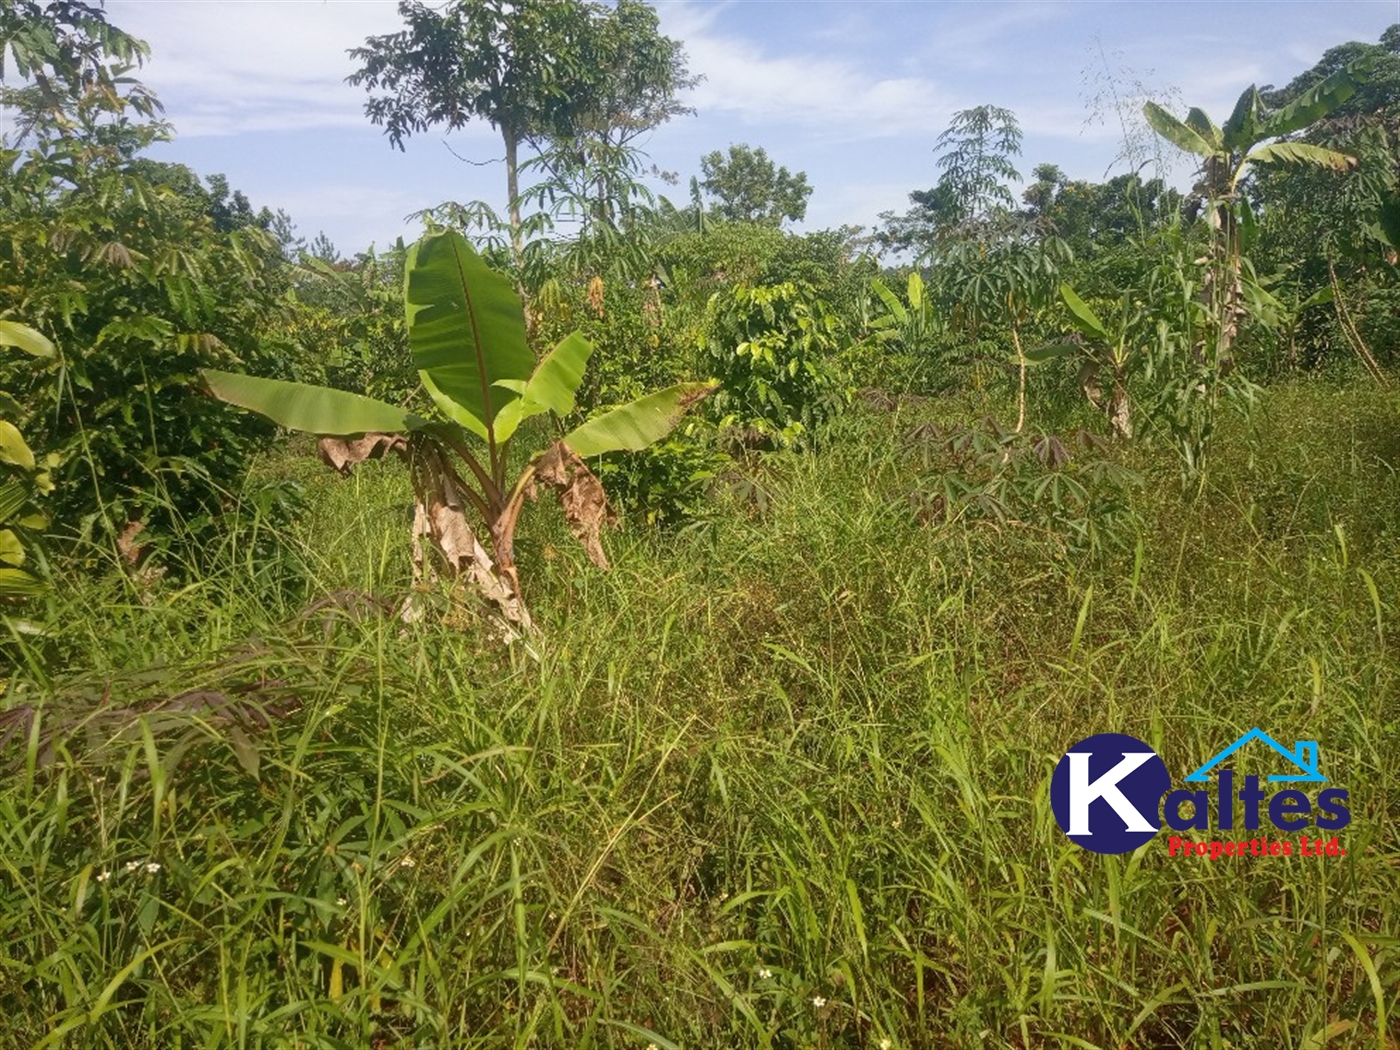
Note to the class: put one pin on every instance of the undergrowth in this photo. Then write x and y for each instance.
(779, 779)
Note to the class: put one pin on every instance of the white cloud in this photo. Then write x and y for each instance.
(830, 95)
(225, 67)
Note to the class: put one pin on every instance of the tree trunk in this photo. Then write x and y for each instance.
(512, 141)
(1021, 380)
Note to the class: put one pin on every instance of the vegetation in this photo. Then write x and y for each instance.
(897, 529)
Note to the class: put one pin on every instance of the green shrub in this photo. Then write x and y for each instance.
(774, 350)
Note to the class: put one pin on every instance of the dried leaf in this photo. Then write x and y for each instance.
(344, 453)
(581, 494)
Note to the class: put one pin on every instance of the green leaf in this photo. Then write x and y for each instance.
(12, 333)
(1041, 354)
(1241, 130)
(1386, 228)
(1313, 104)
(891, 301)
(12, 497)
(1175, 132)
(639, 424)
(12, 447)
(558, 376)
(16, 583)
(451, 409)
(1318, 298)
(11, 550)
(465, 324)
(1084, 318)
(1203, 126)
(1302, 153)
(312, 409)
(550, 389)
(915, 291)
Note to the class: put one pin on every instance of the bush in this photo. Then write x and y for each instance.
(774, 350)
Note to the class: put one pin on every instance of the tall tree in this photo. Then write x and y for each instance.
(749, 187)
(972, 196)
(539, 71)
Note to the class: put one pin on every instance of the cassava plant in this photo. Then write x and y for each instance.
(466, 331)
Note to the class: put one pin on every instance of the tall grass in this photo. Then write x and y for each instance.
(780, 779)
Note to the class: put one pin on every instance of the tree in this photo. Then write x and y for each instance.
(1253, 134)
(1094, 217)
(74, 62)
(122, 264)
(536, 70)
(749, 187)
(971, 197)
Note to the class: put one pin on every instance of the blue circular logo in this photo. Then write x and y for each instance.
(1107, 791)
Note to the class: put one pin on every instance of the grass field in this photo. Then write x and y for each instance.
(780, 778)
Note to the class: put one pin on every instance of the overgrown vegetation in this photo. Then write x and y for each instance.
(1109, 458)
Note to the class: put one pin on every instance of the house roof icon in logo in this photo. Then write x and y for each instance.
(1303, 756)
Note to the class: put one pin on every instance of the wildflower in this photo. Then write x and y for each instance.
(131, 866)
(885, 1044)
(152, 867)
(408, 862)
(340, 901)
(818, 1001)
(104, 876)
(653, 1046)
(764, 973)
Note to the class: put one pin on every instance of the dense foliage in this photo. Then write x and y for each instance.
(289, 762)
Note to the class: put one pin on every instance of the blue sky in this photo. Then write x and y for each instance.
(852, 93)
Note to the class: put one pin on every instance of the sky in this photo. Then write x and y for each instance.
(853, 93)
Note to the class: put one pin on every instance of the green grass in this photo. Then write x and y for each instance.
(796, 753)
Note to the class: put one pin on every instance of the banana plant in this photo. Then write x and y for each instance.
(1116, 347)
(1251, 135)
(466, 331)
(21, 477)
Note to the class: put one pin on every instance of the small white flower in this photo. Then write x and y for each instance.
(340, 901)
(885, 1044)
(104, 876)
(131, 866)
(152, 867)
(818, 1001)
(653, 1046)
(408, 862)
(764, 973)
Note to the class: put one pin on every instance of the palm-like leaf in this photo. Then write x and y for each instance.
(1313, 104)
(550, 389)
(1082, 314)
(1203, 126)
(1175, 132)
(311, 409)
(639, 423)
(1242, 129)
(12, 333)
(1302, 153)
(465, 324)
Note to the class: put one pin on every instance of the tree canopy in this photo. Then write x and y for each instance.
(748, 187)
